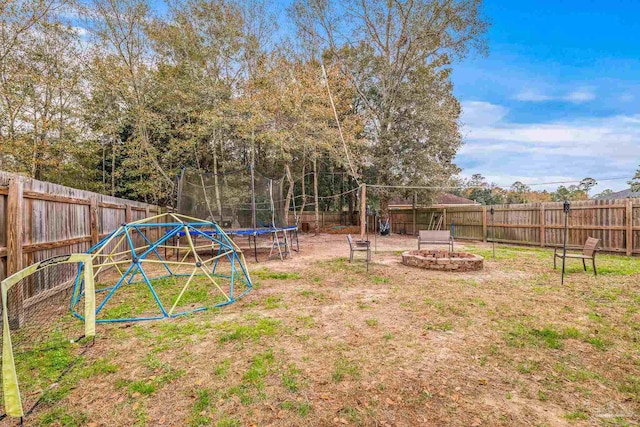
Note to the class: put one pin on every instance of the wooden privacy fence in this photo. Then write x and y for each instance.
(615, 222)
(39, 220)
(325, 219)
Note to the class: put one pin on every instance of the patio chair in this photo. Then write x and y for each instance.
(359, 245)
(589, 251)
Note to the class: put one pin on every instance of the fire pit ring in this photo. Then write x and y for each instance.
(443, 260)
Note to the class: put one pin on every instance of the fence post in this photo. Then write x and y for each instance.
(159, 229)
(93, 220)
(415, 202)
(543, 223)
(484, 223)
(444, 218)
(127, 214)
(629, 215)
(15, 207)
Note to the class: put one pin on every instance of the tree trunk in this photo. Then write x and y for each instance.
(384, 206)
(315, 196)
(287, 201)
(104, 162)
(113, 167)
(215, 177)
(351, 207)
(304, 194)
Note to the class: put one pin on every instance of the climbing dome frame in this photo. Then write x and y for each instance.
(161, 267)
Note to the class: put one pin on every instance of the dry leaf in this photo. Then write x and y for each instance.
(135, 406)
(455, 397)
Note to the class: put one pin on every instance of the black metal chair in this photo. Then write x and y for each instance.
(359, 245)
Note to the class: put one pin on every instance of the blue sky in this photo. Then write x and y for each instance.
(556, 99)
(558, 96)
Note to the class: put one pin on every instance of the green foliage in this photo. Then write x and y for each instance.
(635, 181)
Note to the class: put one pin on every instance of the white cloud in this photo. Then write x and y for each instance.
(577, 96)
(601, 147)
(626, 98)
(532, 95)
(580, 96)
(482, 113)
(80, 31)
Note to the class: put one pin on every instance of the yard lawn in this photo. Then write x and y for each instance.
(321, 342)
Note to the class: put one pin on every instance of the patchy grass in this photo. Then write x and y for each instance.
(266, 274)
(242, 332)
(372, 322)
(60, 417)
(343, 368)
(200, 412)
(290, 378)
(323, 342)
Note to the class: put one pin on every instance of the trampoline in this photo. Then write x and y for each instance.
(281, 239)
(244, 203)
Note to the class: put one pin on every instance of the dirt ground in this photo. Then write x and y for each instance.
(322, 342)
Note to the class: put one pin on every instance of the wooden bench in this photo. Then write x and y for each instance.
(589, 251)
(359, 245)
(435, 237)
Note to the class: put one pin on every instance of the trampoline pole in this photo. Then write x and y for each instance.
(255, 246)
(253, 187)
(375, 232)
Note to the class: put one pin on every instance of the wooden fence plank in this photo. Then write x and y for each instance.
(484, 223)
(541, 224)
(41, 219)
(15, 205)
(543, 230)
(111, 205)
(629, 231)
(95, 228)
(32, 247)
(55, 198)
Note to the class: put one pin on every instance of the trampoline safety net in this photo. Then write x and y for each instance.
(226, 198)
